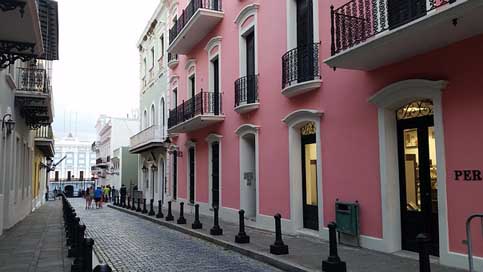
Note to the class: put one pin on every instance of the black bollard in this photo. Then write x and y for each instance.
(151, 207)
(216, 230)
(169, 216)
(102, 268)
(128, 205)
(133, 207)
(144, 206)
(181, 219)
(423, 247)
(278, 248)
(87, 252)
(333, 262)
(242, 237)
(160, 210)
(197, 224)
(138, 209)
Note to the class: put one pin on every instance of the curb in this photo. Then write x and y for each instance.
(257, 255)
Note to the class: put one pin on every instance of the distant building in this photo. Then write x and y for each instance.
(124, 168)
(78, 161)
(112, 133)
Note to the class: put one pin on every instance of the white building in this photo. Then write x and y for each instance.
(150, 143)
(78, 161)
(27, 47)
(112, 134)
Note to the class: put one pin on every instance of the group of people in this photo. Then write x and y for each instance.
(100, 195)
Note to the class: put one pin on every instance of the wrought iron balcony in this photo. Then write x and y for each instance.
(367, 34)
(195, 22)
(152, 137)
(172, 60)
(246, 94)
(202, 110)
(33, 95)
(300, 70)
(44, 140)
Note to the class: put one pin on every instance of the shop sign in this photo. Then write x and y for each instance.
(467, 175)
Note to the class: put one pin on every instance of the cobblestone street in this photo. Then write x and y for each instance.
(127, 243)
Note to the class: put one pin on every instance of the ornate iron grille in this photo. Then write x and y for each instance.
(415, 109)
(358, 20)
(203, 103)
(32, 80)
(246, 90)
(188, 12)
(300, 64)
(172, 57)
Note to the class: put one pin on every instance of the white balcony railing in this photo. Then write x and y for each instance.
(151, 136)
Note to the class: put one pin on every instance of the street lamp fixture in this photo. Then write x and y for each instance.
(8, 123)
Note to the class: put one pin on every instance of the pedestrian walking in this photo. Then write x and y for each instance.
(87, 196)
(91, 196)
(123, 194)
(106, 192)
(98, 197)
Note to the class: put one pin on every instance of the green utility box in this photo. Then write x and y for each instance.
(347, 219)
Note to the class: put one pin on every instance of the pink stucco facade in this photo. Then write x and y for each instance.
(349, 138)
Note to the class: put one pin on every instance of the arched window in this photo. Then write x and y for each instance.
(145, 119)
(153, 116)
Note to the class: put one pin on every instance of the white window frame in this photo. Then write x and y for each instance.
(191, 63)
(292, 22)
(247, 12)
(213, 43)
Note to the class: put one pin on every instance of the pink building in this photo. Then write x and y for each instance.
(288, 106)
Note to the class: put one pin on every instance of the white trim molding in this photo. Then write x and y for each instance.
(295, 120)
(246, 12)
(388, 100)
(247, 128)
(212, 43)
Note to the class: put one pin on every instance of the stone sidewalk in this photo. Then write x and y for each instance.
(305, 253)
(37, 243)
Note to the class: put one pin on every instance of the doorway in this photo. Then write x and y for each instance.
(248, 175)
(215, 174)
(418, 174)
(191, 175)
(175, 174)
(309, 176)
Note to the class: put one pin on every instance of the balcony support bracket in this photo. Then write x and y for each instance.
(7, 5)
(12, 51)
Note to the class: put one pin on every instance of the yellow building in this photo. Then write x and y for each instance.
(44, 150)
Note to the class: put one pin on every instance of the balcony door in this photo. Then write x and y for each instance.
(216, 86)
(417, 173)
(403, 11)
(305, 41)
(250, 54)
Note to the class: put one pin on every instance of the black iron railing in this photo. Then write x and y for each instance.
(33, 80)
(192, 7)
(246, 90)
(358, 20)
(203, 103)
(300, 64)
(172, 57)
